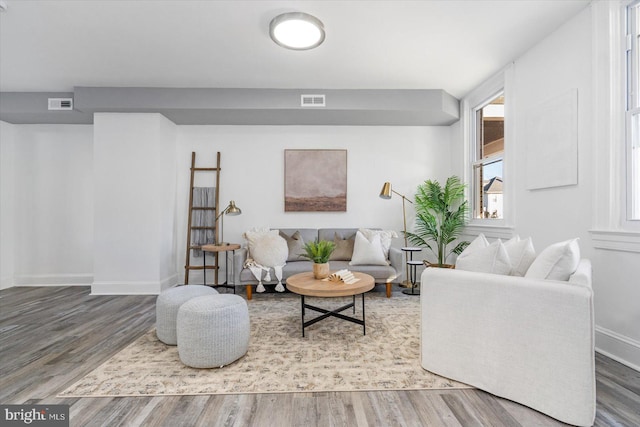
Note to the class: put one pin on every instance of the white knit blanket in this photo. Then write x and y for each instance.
(257, 269)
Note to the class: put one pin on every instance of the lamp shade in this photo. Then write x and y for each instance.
(232, 209)
(385, 193)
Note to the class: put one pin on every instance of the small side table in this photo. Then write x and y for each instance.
(408, 251)
(413, 277)
(224, 248)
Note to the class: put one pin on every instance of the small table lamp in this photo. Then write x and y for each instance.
(231, 210)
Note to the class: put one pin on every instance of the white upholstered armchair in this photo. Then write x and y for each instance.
(527, 340)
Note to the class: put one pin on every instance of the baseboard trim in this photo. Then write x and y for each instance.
(6, 282)
(133, 288)
(169, 282)
(618, 347)
(81, 279)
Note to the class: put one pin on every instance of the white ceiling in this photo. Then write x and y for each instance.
(54, 45)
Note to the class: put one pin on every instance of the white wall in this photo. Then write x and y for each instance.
(559, 63)
(94, 198)
(134, 187)
(53, 204)
(7, 204)
(252, 162)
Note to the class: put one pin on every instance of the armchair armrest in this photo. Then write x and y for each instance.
(528, 340)
(239, 258)
(396, 261)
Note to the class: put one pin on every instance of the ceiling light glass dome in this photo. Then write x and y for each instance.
(297, 30)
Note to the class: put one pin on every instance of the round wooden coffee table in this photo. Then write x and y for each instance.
(304, 284)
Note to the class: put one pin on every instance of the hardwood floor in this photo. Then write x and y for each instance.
(53, 336)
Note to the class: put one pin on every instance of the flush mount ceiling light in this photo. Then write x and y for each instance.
(297, 30)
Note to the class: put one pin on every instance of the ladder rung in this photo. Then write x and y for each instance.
(202, 208)
(203, 228)
(200, 267)
(204, 169)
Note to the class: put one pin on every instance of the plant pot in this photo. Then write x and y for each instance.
(428, 264)
(321, 271)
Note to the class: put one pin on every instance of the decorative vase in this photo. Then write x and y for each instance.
(321, 271)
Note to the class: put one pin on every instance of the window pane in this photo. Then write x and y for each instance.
(633, 116)
(635, 184)
(493, 128)
(634, 166)
(488, 164)
(489, 194)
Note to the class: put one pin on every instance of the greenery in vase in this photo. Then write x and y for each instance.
(319, 252)
(441, 214)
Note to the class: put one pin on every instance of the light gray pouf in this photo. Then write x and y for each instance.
(167, 305)
(213, 330)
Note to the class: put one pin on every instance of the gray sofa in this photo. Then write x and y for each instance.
(383, 274)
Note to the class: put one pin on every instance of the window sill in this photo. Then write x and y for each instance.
(490, 228)
(625, 241)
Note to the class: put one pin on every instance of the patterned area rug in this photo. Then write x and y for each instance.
(334, 355)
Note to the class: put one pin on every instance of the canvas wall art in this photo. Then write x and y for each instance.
(315, 180)
(552, 151)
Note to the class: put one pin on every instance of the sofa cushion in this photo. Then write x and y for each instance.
(490, 259)
(521, 253)
(368, 251)
(344, 248)
(556, 262)
(288, 270)
(381, 273)
(295, 243)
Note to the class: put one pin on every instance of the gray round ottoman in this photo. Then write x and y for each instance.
(213, 330)
(167, 306)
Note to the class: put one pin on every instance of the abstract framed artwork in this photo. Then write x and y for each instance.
(315, 180)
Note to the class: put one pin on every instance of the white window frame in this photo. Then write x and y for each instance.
(500, 83)
(632, 114)
(611, 230)
(477, 161)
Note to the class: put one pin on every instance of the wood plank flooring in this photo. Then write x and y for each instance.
(53, 336)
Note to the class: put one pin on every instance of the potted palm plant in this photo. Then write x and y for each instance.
(441, 214)
(319, 252)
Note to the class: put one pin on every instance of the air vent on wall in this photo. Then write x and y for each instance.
(312, 101)
(64, 104)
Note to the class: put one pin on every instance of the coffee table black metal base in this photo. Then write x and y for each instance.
(333, 313)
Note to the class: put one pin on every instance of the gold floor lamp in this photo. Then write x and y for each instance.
(385, 193)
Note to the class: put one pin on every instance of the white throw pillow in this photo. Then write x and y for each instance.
(521, 253)
(556, 262)
(368, 252)
(478, 243)
(267, 248)
(385, 238)
(490, 259)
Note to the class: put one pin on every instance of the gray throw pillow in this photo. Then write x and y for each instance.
(295, 244)
(344, 248)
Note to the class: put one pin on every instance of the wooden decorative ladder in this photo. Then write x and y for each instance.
(190, 227)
